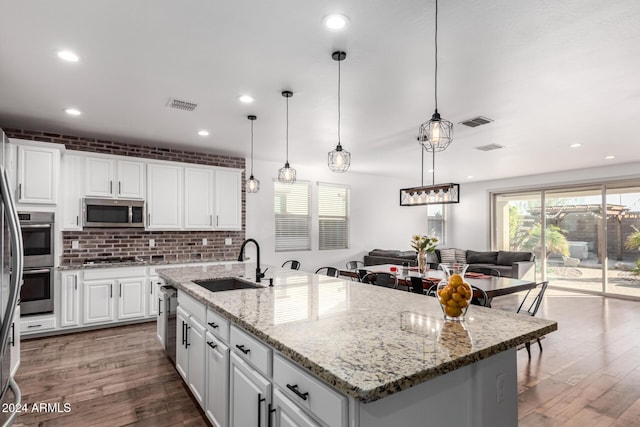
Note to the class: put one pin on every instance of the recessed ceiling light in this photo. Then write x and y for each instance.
(73, 111)
(247, 99)
(610, 157)
(203, 132)
(335, 22)
(67, 55)
(576, 145)
(470, 177)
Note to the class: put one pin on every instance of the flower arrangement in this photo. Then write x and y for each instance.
(423, 243)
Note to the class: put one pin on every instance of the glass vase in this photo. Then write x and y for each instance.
(454, 293)
(422, 262)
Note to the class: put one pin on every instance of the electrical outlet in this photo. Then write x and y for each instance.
(228, 241)
(500, 388)
(75, 244)
(152, 243)
(204, 242)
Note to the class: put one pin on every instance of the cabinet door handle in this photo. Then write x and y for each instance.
(13, 334)
(260, 400)
(213, 325)
(149, 218)
(19, 191)
(110, 291)
(119, 187)
(75, 282)
(217, 221)
(242, 349)
(120, 290)
(294, 388)
(159, 306)
(211, 220)
(211, 344)
(111, 187)
(77, 220)
(186, 338)
(271, 411)
(34, 326)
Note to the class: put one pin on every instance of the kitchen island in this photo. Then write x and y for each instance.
(389, 353)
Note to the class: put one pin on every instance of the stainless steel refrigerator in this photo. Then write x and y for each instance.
(11, 258)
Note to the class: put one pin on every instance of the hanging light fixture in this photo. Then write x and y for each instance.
(253, 185)
(339, 159)
(286, 174)
(434, 194)
(437, 133)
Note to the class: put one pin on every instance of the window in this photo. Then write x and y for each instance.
(333, 216)
(293, 216)
(435, 223)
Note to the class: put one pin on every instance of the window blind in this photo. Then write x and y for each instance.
(293, 216)
(333, 216)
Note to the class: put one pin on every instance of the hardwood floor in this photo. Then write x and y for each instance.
(588, 373)
(111, 377)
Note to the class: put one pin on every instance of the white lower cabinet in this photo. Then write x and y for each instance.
(216, 405)
(288, 414)
(197, 359)
(69, 299)
(131, 298)
(249, 395)
(161, 326)
(182, 352)
(98, 301)
(155, 283)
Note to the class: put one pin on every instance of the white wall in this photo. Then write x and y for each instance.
(468, 221)
(377, 220)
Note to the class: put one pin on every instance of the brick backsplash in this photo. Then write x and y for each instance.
(169, 245)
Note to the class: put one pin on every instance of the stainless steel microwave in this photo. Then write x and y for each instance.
(112, 213)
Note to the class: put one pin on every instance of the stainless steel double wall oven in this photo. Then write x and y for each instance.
(36, 295)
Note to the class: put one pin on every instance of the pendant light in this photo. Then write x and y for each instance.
(339, 159)
(286, 174)
(437, 133)
(253, 185)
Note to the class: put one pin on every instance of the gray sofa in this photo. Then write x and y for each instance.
(516, 265)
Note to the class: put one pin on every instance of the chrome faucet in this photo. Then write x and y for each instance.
(259, 274)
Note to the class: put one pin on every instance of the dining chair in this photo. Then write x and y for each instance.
(362, 273)
(484, 270)
(480, 297)
(328, 271)
(387, 280)
(419, 285)
(354, 265)
(533, 309)
(293, 264)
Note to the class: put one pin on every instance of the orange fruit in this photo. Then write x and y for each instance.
(452, 311)
(456, 280)
(461, 290)
(467, 286)
(457, 297)
(452, 303)
(463, 303)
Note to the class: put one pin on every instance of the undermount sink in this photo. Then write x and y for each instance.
(218, 285)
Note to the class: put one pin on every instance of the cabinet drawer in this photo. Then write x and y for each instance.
(251, 350)
(37, 325)
(114, 273)
(322, 401)
(194, 307)
(218, 325)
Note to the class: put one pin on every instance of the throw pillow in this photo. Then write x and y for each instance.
(474, 257)
(461, 256)
(448, 255)
(509, 257)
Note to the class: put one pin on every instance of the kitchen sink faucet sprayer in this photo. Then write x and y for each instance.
(259, 274)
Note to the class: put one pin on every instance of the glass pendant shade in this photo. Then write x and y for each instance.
(339, 159)
(436, 134)
(286, 174)
(253, 185)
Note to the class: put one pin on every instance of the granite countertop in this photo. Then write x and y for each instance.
(366, 341)
(137, 263)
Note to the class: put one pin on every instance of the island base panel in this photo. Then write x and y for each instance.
(483, 394)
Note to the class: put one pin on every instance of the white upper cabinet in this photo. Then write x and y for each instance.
(72, 191)
(164, 197)
(106, 177)
(198, 198)
(38, 171)
(228, 194)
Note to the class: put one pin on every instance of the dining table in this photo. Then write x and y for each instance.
(494, 286)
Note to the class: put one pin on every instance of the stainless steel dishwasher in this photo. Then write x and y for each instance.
(168, 316)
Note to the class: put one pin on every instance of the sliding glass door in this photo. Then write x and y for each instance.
(585, 238)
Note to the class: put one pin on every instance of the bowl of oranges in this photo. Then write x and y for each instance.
(453, 292)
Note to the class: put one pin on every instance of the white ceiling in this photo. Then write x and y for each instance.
(550, 73)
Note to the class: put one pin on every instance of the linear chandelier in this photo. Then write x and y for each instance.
(434, 194)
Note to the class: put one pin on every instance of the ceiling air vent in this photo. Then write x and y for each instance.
(476, 121)
(489, 147)
(181, 105)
